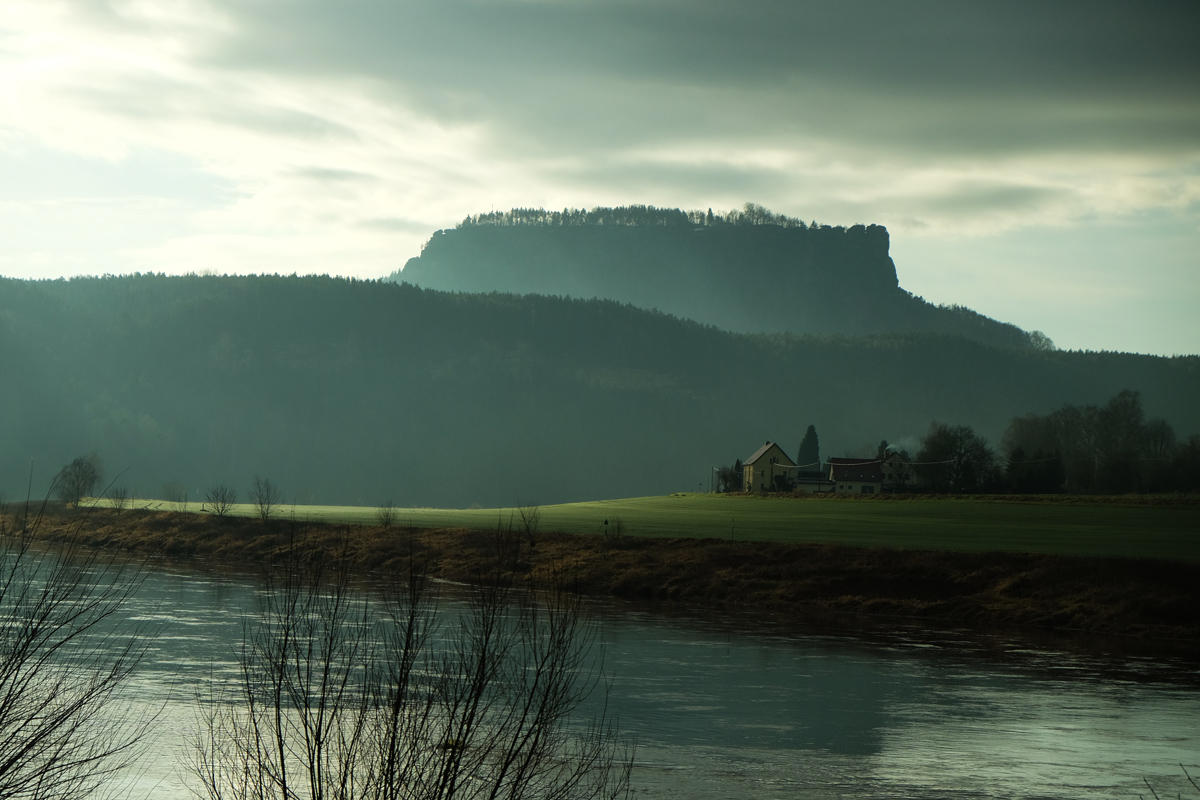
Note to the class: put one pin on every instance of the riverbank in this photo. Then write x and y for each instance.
(1125, 596)
(1135, 526)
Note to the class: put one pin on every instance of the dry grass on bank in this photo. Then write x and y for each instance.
(1141, 597)
(1136, 526)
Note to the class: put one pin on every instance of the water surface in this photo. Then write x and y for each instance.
(735, 705)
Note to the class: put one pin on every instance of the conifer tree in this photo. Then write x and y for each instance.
(810, 451)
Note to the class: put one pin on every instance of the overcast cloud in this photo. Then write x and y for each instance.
(296, 135)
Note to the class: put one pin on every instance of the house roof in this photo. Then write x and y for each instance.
(762, 451)
(856, 470)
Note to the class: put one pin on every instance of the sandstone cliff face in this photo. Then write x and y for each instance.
(745, 278)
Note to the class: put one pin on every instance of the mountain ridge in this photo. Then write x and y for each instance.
(747, 271)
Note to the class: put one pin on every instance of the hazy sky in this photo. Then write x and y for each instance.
(1036, 161)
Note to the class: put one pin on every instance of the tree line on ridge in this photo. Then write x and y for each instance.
(1077, 449)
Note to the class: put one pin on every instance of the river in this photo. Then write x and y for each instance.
(755, 706)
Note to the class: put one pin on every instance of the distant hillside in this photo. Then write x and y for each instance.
(749, 271)
(347, 391)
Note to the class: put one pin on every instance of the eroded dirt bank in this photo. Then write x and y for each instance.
(1146, 598)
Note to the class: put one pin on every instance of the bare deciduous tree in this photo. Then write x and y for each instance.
(176, 493)
(79, 478)
(119, 498)
(387, 514)
(66, 654)
(613, 531)
(266, 497)
(221, 499)
(340, 698)
(531, 517)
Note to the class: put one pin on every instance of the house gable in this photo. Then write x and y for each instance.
(760, 470)
(770, 450)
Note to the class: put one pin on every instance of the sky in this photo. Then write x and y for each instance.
(1038, 162)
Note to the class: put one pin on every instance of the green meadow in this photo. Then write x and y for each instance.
(1094, 527)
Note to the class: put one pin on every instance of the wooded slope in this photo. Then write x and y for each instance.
(358, 392)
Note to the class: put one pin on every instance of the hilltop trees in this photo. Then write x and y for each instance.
(632, 216)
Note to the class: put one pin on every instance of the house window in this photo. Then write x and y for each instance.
(868, 490)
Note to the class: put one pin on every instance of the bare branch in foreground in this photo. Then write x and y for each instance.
(67, 652)
(387, 696)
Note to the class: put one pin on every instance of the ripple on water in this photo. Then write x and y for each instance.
(724, 707)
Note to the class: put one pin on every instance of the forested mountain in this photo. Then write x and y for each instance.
(359, 392)
(746, 271)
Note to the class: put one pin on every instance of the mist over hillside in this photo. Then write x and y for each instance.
(748, 271)
(344, 391)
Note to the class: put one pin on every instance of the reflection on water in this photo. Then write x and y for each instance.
(746, 706)
(729, 708)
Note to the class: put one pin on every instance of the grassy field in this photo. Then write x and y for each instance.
(1095, 527)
